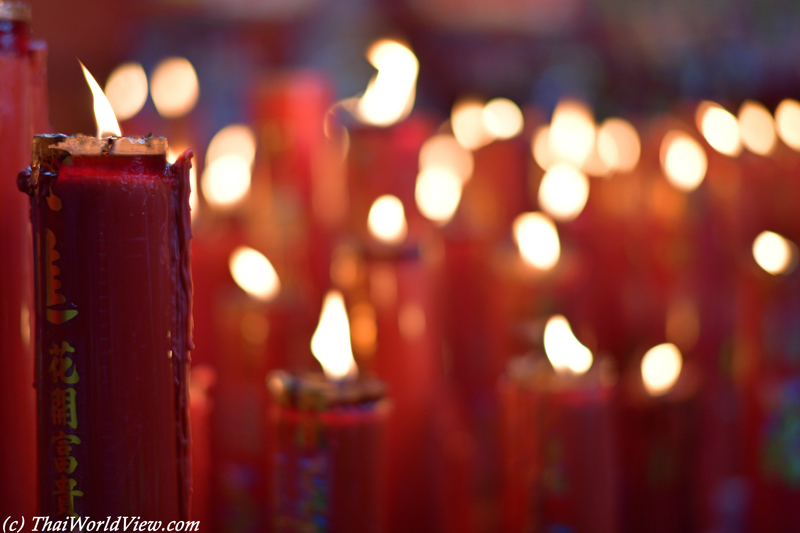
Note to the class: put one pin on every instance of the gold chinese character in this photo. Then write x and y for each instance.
(65, 490)
(60, 364)
(65, 463)
(64, 408)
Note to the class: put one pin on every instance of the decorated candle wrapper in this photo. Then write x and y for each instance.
(327, 453)
(113, 316)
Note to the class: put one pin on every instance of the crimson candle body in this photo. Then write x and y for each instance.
(113, 299)
(327, 469)
(23, 104)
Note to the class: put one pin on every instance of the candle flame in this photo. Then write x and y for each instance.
(537, 240)
(774, 253)
(563, 349)
(330, 343)
(661, 367)
(387, 220)
(107, 124)
(253, 272)
(390, 94)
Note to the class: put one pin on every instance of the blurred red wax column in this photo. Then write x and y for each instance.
(394, 315)
(23, 95)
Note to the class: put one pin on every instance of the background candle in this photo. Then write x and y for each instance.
(111, 227)
(23, 100)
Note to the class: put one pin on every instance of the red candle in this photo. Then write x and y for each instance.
(660, 419)
(327, 438)
(23, 98)
(559, 448)
(113, 290)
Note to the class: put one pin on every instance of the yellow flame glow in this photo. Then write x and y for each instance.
(126, 89)
(235, 139)
(563, 349)
(787, 121)
(107, 124)
(444, 151)
(174, 87)
(661, 367)
(468, 124)
(758, 128)
(683, 160)
(720, 128)
(774, 253)
(438, 193)
(563, 192)
(387, 220)
(330, 343)
(618, 145)
(226, 181)
(253, 272)
(502, 118)
(572, 132)
(390, 94)
(537, 239)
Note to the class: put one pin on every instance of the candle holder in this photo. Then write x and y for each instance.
(113, 286)
(327, 453)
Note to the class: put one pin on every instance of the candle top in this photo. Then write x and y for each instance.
(314, 392)
(84, 145)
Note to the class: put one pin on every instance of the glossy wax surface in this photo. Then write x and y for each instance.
(109, 299)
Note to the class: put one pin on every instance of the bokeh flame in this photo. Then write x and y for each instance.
(107, 125)
(468, 124)
(253, 272)
(563, 349)
(502, 118)
(443, 151)
(437, 194)
(774, 253)
(572, 133)
(330, 343)
(126, 90)
(174, 87)
(618, 145)
(390, 94)
(787, 122)
(758, 128)
(387, 220)
(229, 162)
(683, 160)
(563, 192)
(720, 128)
(537, 239)
(661, 367)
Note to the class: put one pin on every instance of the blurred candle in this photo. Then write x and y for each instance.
(328, 434)
(23, 98)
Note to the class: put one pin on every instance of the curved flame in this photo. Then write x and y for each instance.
(390, 94)
(563, 349)
(330, 343)
(107, 124)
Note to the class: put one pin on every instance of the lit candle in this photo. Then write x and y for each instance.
(559, 449)
(660, 449)
(23, 96)
(328, 437)
(111, 230)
